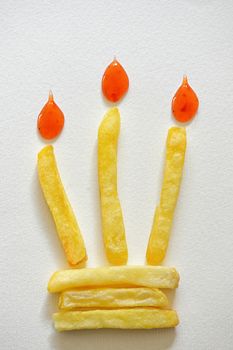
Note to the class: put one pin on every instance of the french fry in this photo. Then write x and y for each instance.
(112, 298)
(63, 215)
(161, 228)
(112, 218)
(120, 276)
(120, 318)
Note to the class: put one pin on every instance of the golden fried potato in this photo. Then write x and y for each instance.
(120, 276)
(63, 215)
(161, 228)
(112, 298)
(112, 219)
(138, 318)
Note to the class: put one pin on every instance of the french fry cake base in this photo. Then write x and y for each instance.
(140, 318)
(112, 298)
(144, 276)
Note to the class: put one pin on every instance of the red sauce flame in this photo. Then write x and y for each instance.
(185, 102)
(115, 82)
(50, 120)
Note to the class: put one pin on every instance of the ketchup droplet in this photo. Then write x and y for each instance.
(50, 120)
(185, 102)
(115, 82)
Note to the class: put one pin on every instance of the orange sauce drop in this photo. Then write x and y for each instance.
(185, 102)
(115, 82)
(50, 120)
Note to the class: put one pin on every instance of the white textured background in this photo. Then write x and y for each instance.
(66, 45)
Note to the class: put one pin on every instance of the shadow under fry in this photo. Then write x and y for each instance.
(113, 339)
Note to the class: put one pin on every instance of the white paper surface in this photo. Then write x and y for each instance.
(66, 46)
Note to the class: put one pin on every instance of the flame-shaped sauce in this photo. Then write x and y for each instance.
(115, 82)
(185, 102)
(50, 120)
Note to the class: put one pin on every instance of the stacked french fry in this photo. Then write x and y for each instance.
(118, 296)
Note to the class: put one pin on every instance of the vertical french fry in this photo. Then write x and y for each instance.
(160, 232)
(63, 215)
(138, 318)
(112, 218)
